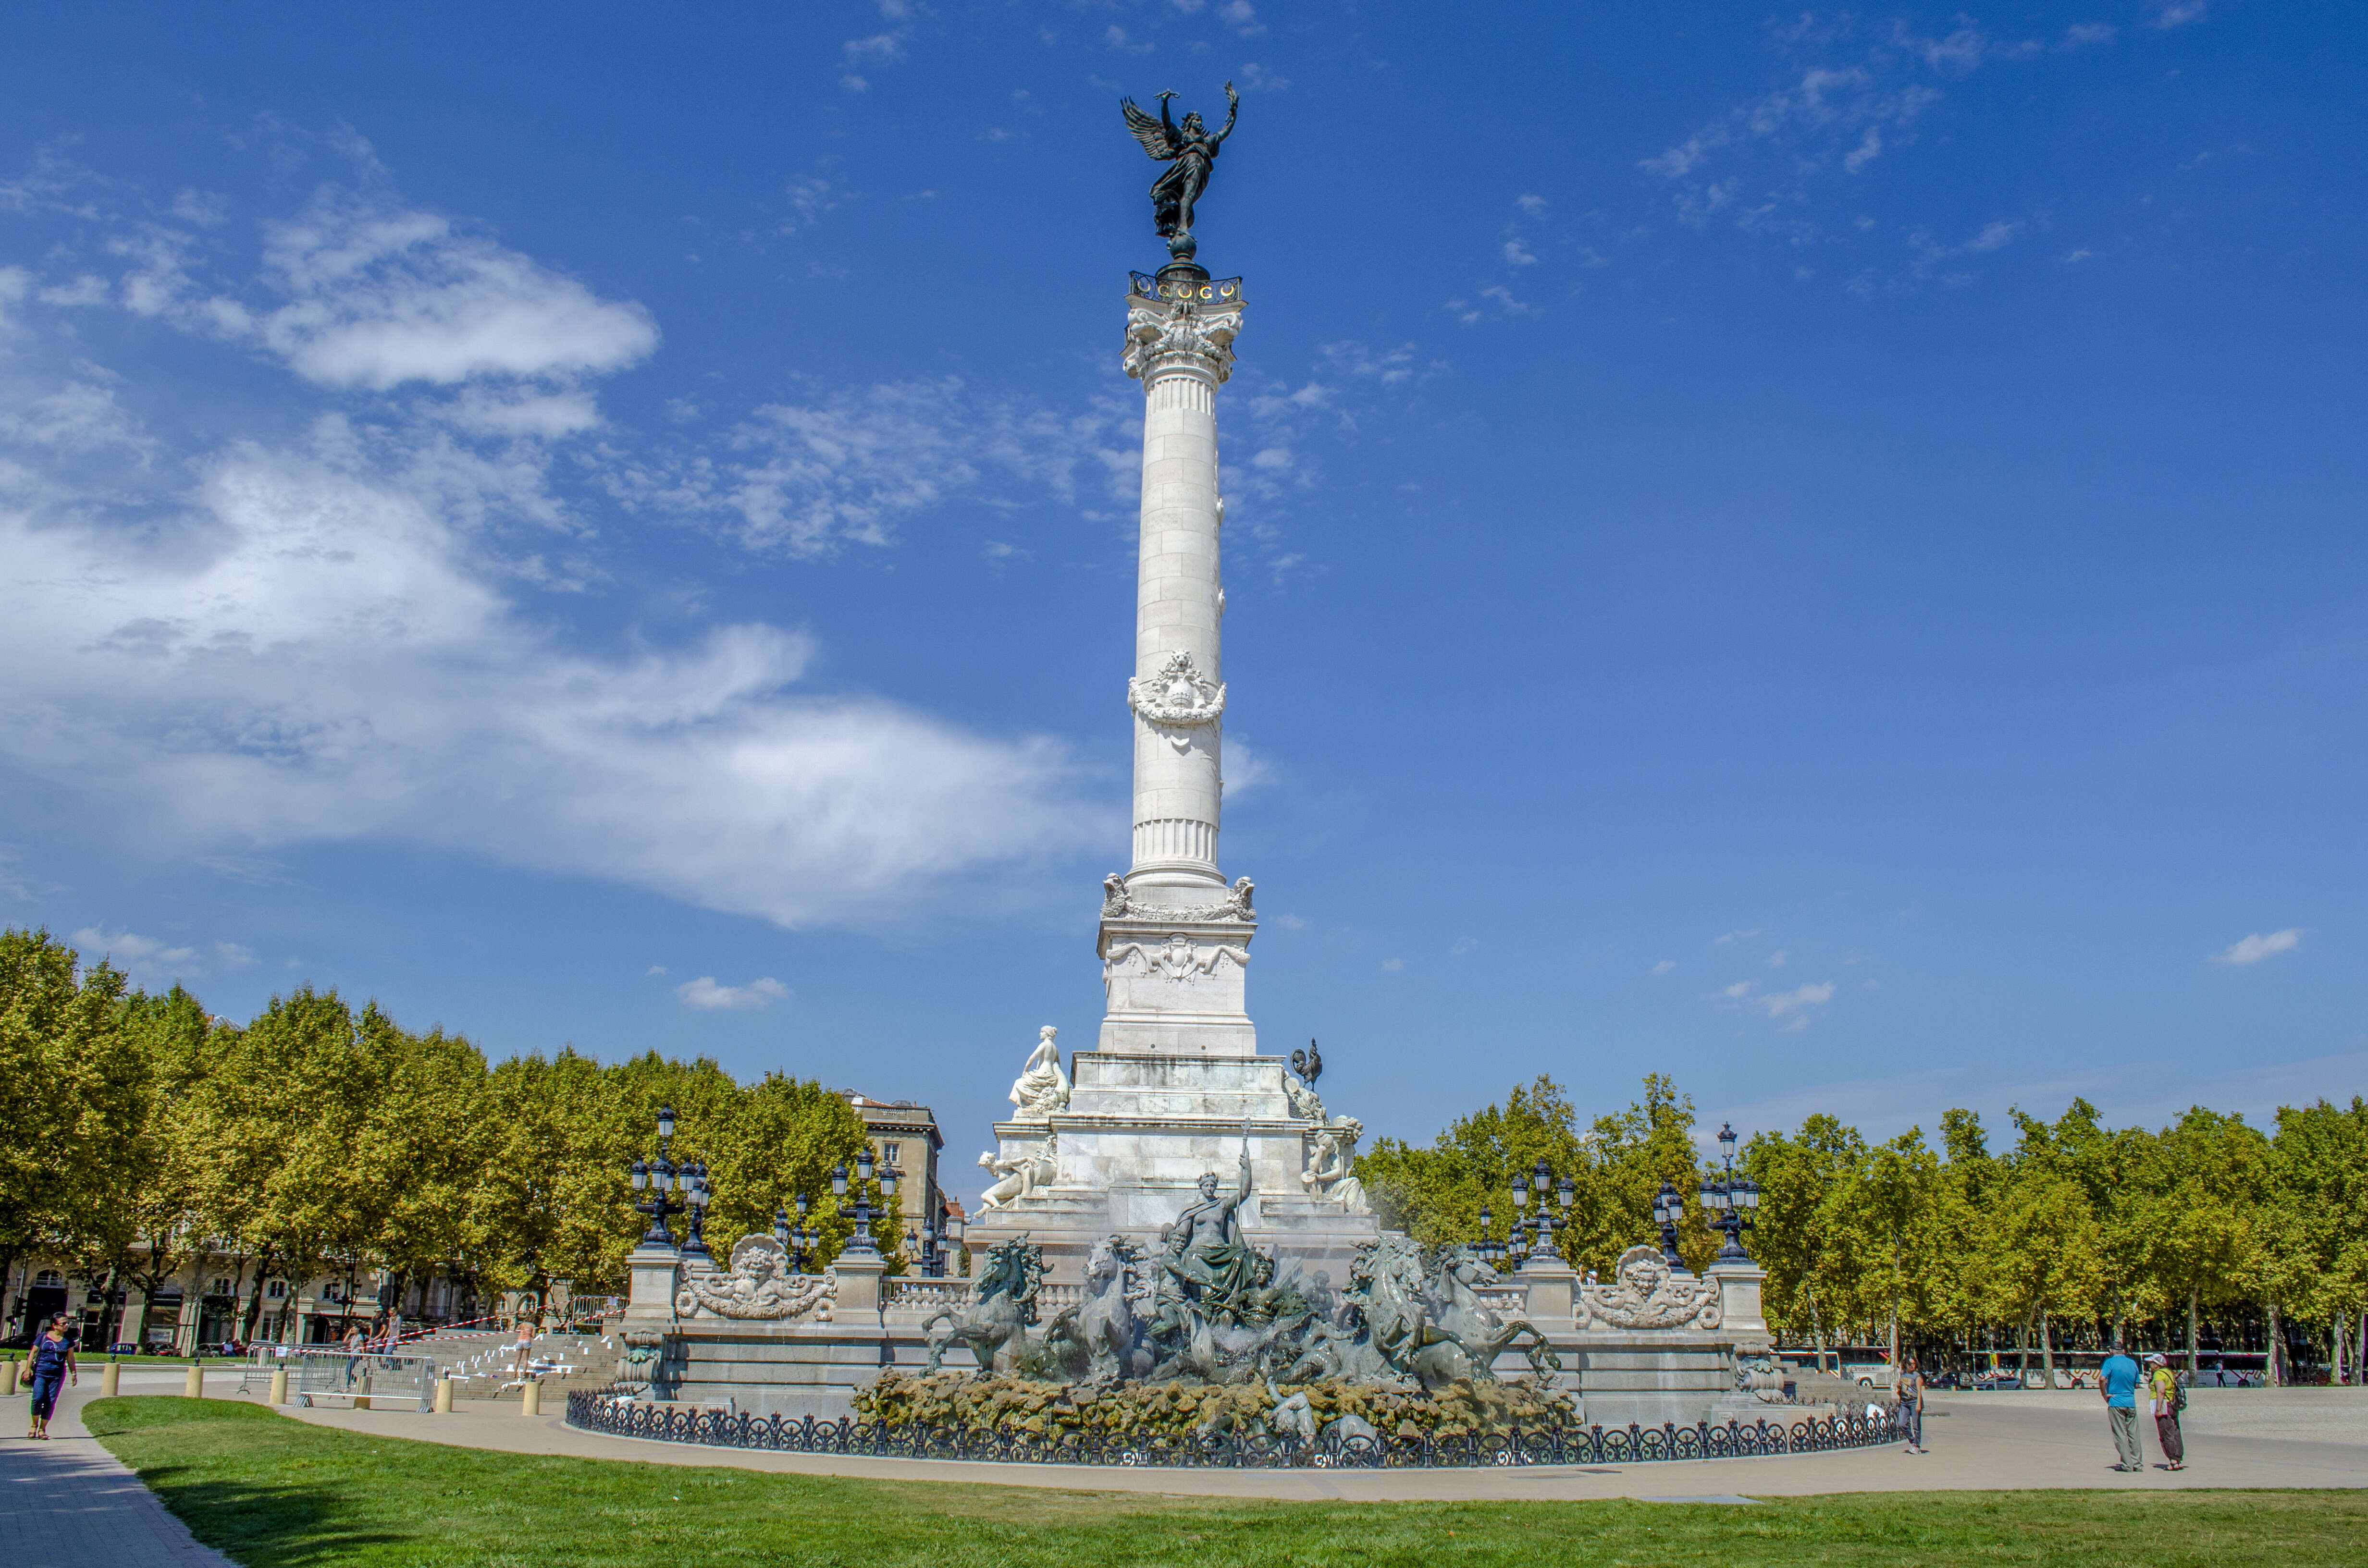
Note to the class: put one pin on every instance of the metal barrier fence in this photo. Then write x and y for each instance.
(597, 1410)
(337, 1374)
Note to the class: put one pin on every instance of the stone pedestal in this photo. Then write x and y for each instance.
(1739, 1281)
(1141, 1129)
(654, 1271)
(859, 1299)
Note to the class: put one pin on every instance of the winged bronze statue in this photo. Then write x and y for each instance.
(1308, 1063)
(1189, 151)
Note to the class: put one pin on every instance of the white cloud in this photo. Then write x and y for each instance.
(1783, 1002)
(1776, 959)
(380, 295)
(242, 642)
(1995, 235)
(158, 960)
(1462, 945)
(653, 969)
(1664, 965)
(1392, 965)
(1740, 935)
(806, 479)
(2081, 33)
(1244, 768)
(1257, 78)
(2179, 13)
(1737, 991)
(2256, 947)
(1869, 148)
(1242, 17)
(1115, 37)
(1535, 206)
(705, 994)
(1291, 921)
(1518, 255)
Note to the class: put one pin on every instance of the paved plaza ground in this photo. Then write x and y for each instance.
(2250, 1438)
(69, 1503)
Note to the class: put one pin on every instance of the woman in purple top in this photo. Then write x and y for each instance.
(53, 1367)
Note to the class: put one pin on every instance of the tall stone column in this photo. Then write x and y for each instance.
(1175, 938)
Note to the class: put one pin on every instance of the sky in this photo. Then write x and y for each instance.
(1815, 552)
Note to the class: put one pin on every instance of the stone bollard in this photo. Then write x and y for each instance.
(8, 1380)
(530, 1398)
(111, 1379)
(194, 1386)
(278, 1386)
(443, 1396)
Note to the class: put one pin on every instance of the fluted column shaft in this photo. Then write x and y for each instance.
(1181, 351)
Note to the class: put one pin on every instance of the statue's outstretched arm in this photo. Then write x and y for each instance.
(1233, 110)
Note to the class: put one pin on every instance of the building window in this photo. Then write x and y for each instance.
(892, 1149)
(220, 1287)
(277, 1289)
(49, 1279)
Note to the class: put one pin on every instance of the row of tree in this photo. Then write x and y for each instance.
(319, 1139)
(2072, 1235)
(316, 1138)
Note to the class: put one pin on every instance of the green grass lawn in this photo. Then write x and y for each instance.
(269, 1490)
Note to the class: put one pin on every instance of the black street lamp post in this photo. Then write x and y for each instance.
(862, 1209)
(696, 1194)
(661, 1181)
(1730, 1199)
(1667, 1209)
(1542, 1223)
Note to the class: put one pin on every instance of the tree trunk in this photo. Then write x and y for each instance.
(2275, 1362)
(2022, 1346)
(2191, 1334)
(2046, 1347)
(1816, 1325)
(263, 1264)
(2360, 1352)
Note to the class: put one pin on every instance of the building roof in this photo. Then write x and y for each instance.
(901, 1114)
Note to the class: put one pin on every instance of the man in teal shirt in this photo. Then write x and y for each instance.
(2119, 1384)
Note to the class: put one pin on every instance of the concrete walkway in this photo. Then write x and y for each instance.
(70, 1503)
(2298, 1438)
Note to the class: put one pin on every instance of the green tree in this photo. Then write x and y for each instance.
(74, 1098)
(2198, 1212)
(1814, 1256)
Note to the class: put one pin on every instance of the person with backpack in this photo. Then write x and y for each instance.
(2168, 1397)
(52, 1363)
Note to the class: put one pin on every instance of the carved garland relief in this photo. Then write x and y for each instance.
(760, 1286)
(1645, 1295)
(1178, 957)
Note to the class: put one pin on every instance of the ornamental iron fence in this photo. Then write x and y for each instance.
(598, 1410)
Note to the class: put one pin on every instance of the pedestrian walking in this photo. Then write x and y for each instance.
(2167, 1398)
(53, 1368)
(1910, 1391)
(525, 1351)
(2117, 1381)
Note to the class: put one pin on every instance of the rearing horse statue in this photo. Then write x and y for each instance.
(995, 1326)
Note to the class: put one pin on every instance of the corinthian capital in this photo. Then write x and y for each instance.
(1180, 335)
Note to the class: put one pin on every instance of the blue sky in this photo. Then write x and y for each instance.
(1819, 553)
